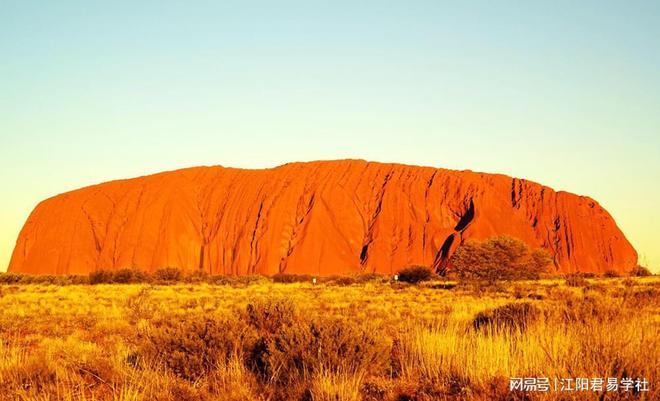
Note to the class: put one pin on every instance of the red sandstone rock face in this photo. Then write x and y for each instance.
(318, 218)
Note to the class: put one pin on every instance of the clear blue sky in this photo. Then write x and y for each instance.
(565, 93)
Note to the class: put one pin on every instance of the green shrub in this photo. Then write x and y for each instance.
(499, 258)
(415, 274)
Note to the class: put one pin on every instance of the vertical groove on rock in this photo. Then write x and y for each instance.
(364, 255)
(427, 190)
(303, 209)
(92, 226)
(254, 252)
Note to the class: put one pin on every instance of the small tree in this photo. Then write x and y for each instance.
(640, 271)
(499, 258)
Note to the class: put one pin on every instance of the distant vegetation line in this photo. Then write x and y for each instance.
(171, 276)
(496, 259)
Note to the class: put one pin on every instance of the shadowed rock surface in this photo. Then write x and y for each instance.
(327, 217)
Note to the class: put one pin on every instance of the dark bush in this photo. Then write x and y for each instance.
(290, 348)
(168, 274)
(415, 274)
(640, 271)
(511, 317)
(192, 346)
(611, 274)
(270, 315)
(307, 347)
(73, 279)
(17, 278)
(292, 278)
(11, 278)
(101, 277)
(499, 258)
(40, 279)
(267, 318)
(196, 277)
(121, 276)
(125, 276)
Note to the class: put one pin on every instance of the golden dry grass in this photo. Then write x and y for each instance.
(366, 341)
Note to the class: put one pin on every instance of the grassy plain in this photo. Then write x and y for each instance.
(374, 340)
